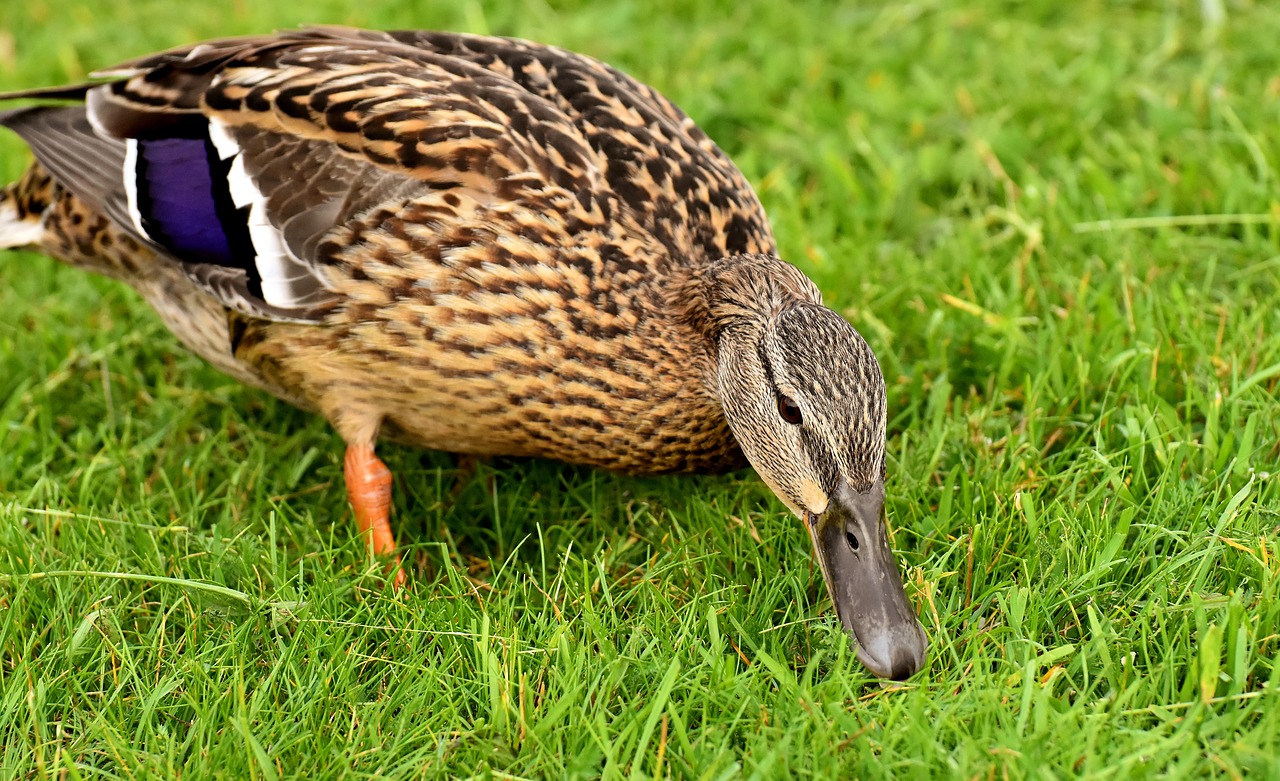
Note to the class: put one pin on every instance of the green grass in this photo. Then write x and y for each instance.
(1083, 442)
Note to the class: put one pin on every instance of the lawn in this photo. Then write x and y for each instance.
(1056, 223)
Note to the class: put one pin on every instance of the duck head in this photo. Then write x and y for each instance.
(805, 399)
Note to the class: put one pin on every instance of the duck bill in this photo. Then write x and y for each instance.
(852, 545)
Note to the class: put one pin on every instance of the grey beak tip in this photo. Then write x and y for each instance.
(895, 655)
(906, 663)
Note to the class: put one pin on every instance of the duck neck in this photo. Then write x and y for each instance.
(729, 299)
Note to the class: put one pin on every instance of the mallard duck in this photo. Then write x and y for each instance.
(479, 245)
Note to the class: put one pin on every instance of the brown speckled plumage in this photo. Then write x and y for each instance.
(480, 245)
(517, 219)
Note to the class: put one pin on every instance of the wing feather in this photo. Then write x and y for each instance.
(330, 125)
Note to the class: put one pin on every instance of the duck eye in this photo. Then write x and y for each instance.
(788, 410)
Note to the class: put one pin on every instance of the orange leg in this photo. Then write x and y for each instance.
(369, 489)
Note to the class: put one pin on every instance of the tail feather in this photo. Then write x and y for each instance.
(64, 92)
(22, 208)
(65, 145)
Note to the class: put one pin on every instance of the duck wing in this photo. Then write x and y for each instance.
(242, 158)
